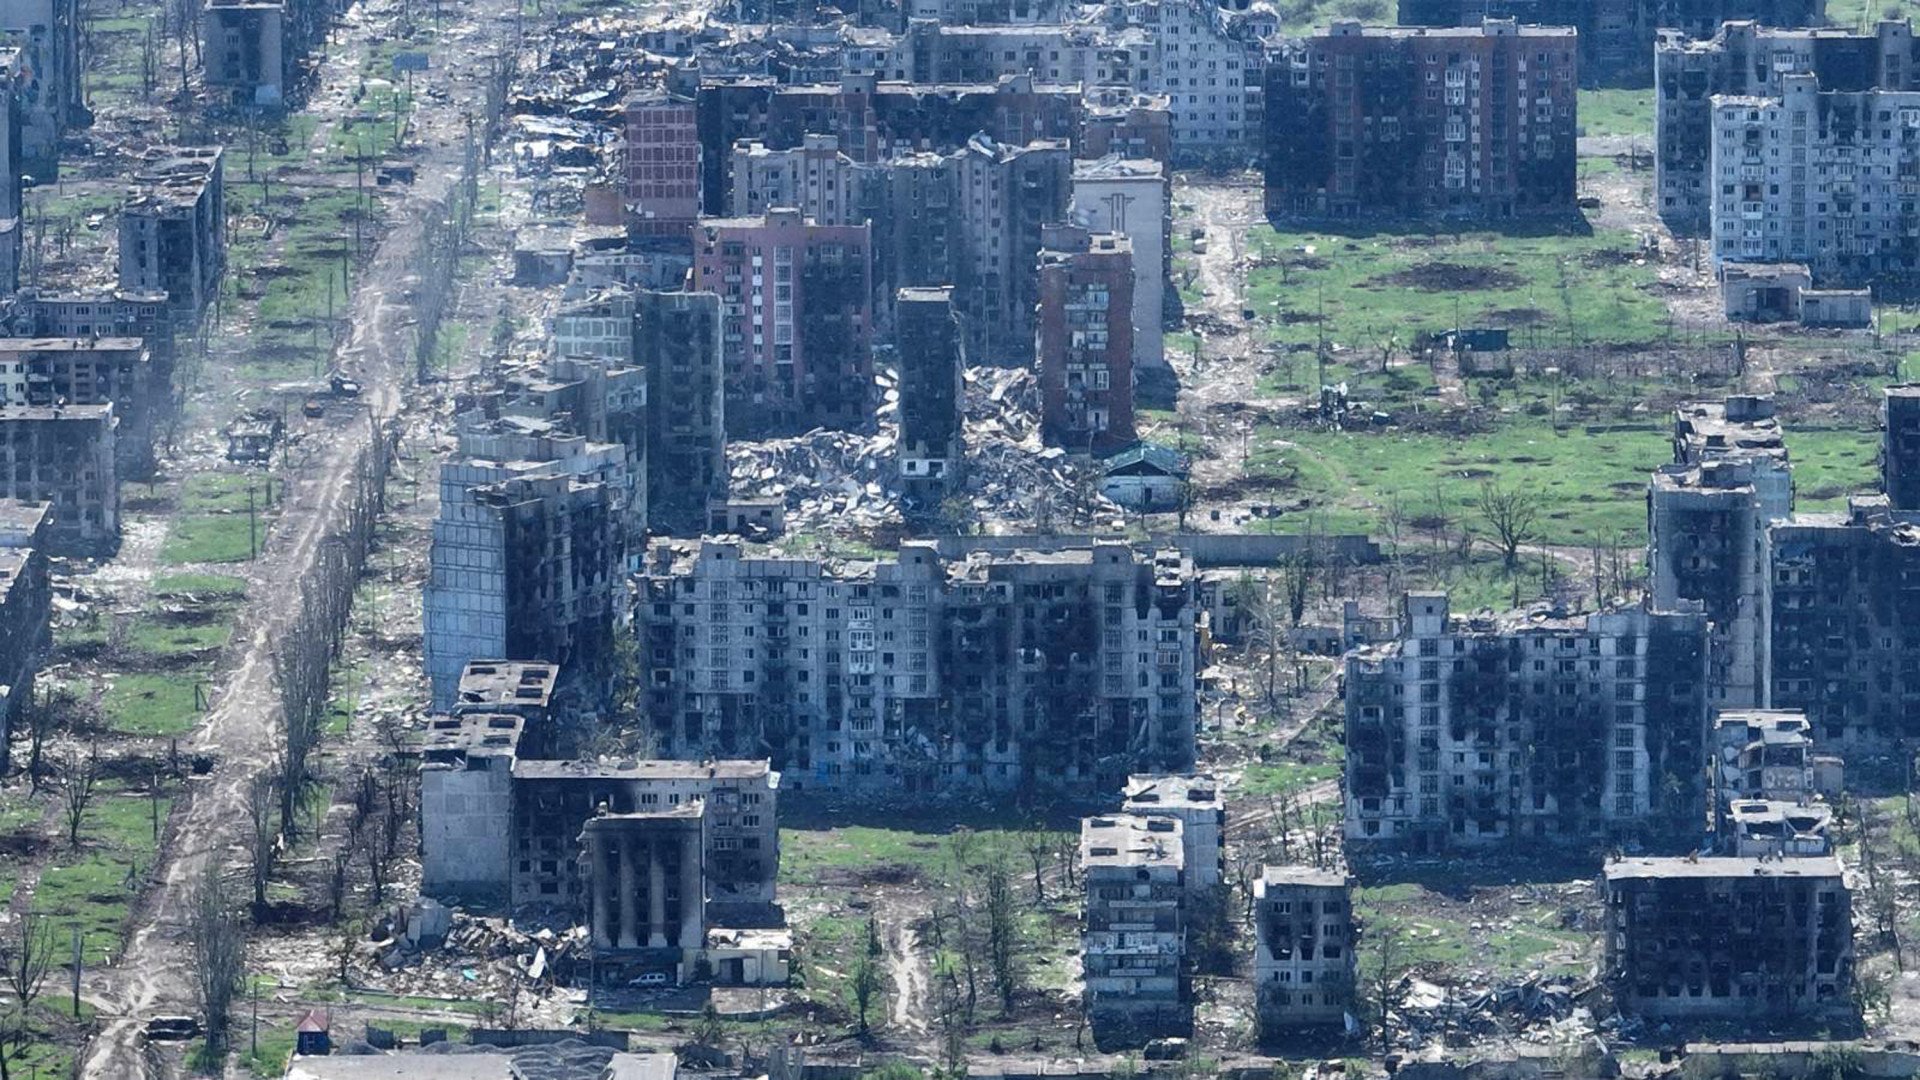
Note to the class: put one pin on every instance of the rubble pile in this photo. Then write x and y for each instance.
(426, 949)
(1545, 1005)
(845, 482)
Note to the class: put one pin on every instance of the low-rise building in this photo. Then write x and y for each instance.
(1303, 959)
(1133, 933)
(1196, 801)
(1734, 938)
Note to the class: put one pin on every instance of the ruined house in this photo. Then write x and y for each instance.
(1707, 520)
(1832, 222)
(931, 361)
(173, 228)
(1617, 36)
(1084, 339)
(1303, 958)
(1066, 671)
(1473, 122)
(1534, 728)
(796, 320)
(526, 552)
(63, 455)
(1133, 929)
(1749, 59)
(1732, 938)
(678, 337)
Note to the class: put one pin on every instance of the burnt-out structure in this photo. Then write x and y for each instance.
(677, 339)
(1303, 958)
(1617, 36)
(26, 603)
(63, 455)
(1472, 122)
(1538, 728)
(995, 672)
(931, 360)
(1084, 342)
(1750, 59)
(796, 318)
(1731, 938)
(1707, 520)
(91, 371)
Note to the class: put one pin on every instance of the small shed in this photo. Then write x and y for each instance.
(313, 1035)
(1145, 477)
(1763, 292)
(1845, 309)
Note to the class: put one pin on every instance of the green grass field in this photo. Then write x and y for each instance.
(1615, 113)
(153, 703)
(212, 525)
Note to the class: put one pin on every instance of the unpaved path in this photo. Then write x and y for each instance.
(154, 972)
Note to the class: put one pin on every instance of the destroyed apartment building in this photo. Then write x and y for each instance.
(1708, 515)
(1063, 670)
(1617, 37)
(46, 37)
(173, 228)
(1842, 601)
(1197, 801)
(1833, 224)
(1133, 929)
(26, 602)
(652, 856)
(527, 551)
(796, 320)
(1747, 59)
(1732, 938)
(1769, 786)
(1472, 122)
(931, 362)
(680, 334)
(92, 371)
(63, 456)
(256, 52)
(1303, 960)
(1084, 344)
(1134, 198)
(1537, 727)
(599, 399)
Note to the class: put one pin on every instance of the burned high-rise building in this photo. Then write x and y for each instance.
(1707, 520)
(1696, 938)
(677, 340)
(1537, 728)
(1064, 671)
(173, 228)
(795, 318)
(1084, 347)
(1749, 59)
(1474, 122)
(1617, 36)
(931, 361)
(1014, 191)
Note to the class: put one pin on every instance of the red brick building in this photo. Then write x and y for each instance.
(1471, 122)
(663, 163)
(796, 320)
(1084, 342)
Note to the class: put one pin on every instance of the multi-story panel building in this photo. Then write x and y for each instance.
(63, 455)
(1197, 802)
(46, 34)
(1707, 519)
(1063, 671)
(1473, 122)
(1617, 36)
(173, 228)
(1084, 345)
(796, 319)
(1536, 729)
(526, 552)
(1208, 59)
(1303, 960)
(600, 324)
(1128, 124)
(678, 337)
(1697, 938)
(1133, 929)
(1133, 197)
(931, 362)
(663, 163)
(26, 603)
(1008, 194)
(1746, 59)
(1828, 178)
(1767, 785)
(90, 371)
(245, 53)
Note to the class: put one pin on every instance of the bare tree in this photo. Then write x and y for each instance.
(1388, 982)
(1509, 515)
(217, 934)
(1004, 951)
(1039, 848)
(264, 839)
(82, 777)
(27, 949)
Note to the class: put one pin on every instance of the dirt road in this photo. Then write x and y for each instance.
(154, 973)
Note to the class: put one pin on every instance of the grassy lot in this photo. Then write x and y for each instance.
(1475, 934)
(1830, 463)
(88, 889)
(153, 703)
(1606, 113)
(1861, 14)
(213, 525)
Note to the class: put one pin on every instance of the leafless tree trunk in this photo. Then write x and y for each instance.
(27, 949)
(82, 774)
(1003, 932)
(264, 838)
(218, 936)
(1509, 515)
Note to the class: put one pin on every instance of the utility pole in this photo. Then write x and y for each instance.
(253, 541)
